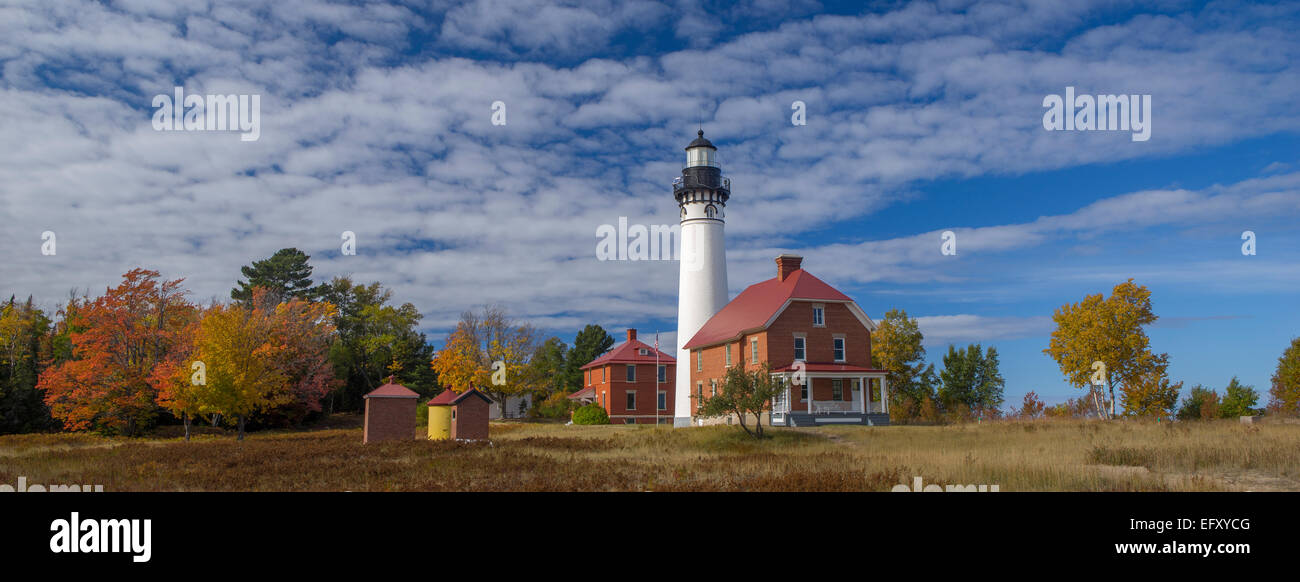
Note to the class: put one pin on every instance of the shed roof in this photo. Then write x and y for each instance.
(392, 390)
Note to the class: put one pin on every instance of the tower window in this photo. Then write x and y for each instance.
(710, 211)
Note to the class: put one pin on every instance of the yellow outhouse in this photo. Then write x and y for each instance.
(440, 415)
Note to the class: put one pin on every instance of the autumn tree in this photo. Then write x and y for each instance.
(1238, 400)
(459, 363)
(896, 346)
(743, 394)
(1285, 393)
(240, 351)
(1200, 403)
(303, 332)
(1031, 407)
(127, 331)
(1108, 330)
(1150, 396)
(179, 379)
(490, 351)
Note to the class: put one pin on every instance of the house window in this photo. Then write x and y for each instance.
(699, 360)
(753, 350)
(699, 392)
(819, 315)
(453, 414)
(728, 347)
(837, 389)
(663, 372)
(630, 421)
(643, 351)
(713, 385)
(631, 399)
(602, 374)
(803, 392)
(663, 400)
(839, 349)
(631, 372)
(800, 352)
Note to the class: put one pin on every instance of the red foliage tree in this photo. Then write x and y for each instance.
(124, 334)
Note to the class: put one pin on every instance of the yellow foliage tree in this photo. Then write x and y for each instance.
(1107, 330)
(460, 362)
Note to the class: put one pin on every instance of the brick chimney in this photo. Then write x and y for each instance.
(631, 334)
(787, 264)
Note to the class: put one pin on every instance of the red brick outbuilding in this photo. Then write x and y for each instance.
(390, 413)
(469, 416)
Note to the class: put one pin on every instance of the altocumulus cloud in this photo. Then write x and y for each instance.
(375, 119)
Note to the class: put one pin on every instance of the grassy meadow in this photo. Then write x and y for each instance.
(1064, 455)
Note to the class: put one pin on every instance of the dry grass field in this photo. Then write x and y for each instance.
(1016, 456)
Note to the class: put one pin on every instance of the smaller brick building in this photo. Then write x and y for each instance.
(633, 382)
(469, 416)
(390, 413)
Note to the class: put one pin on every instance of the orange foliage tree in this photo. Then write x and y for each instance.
(124, 334)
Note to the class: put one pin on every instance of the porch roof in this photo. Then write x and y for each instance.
(845, 368)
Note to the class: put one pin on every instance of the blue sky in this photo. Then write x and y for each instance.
(922, 117)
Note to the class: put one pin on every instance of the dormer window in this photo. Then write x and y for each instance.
(643, 351)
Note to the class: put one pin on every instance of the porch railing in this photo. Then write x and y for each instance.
(833, 406)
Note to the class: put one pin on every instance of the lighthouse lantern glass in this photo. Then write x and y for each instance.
(700, 156)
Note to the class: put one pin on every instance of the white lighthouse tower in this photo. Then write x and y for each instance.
(702, 195)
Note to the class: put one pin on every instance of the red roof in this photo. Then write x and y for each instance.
(467, 393)
(758, 303)
(391, 390)
(444, 399)
(815, 367)
(629, 352)
(585, 392)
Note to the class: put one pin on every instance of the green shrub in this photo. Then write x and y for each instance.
(422, 414)
(590, 414)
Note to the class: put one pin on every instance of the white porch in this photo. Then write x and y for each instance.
(831, 398)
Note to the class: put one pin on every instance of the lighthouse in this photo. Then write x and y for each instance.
(701, 194)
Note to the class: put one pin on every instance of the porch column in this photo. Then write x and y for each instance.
(864, 393)
(884, 396)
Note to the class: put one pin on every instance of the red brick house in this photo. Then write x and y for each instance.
(633, 382)
(816, 340)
